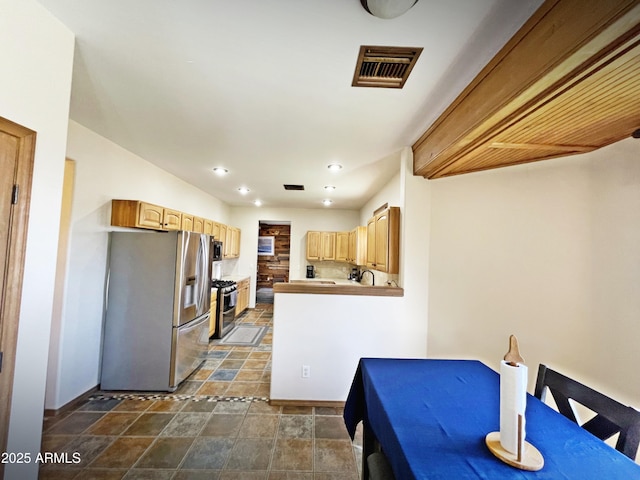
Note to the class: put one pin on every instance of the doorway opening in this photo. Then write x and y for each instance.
(274, 245)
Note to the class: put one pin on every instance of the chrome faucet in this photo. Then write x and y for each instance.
(373, 277)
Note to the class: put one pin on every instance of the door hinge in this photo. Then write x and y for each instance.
(14, 195)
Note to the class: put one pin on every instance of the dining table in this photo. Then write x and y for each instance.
(430, 418)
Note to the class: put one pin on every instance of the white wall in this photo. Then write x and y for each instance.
(302, 220)
(550, 252)
(330, 333)
(104, 171)
(35, 84)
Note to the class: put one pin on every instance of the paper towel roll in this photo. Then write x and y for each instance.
(513, 401)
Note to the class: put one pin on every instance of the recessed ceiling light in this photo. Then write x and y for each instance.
(257, 203)
(334, 167)
(244, 190)
(329, 188)
(327, 202)
(220, 171)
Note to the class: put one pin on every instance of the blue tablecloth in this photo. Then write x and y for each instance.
(431, 418)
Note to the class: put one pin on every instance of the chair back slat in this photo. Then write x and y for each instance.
(612, 416)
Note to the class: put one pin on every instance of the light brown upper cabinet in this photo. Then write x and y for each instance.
(232, 243)
(215, 231)
(187, 222)
(568, 82)
(208, 227)
(321, 245)
(342, 246)
(383, 241)
(358, 246)
(198, 225)
(136, 214)
(222, 236)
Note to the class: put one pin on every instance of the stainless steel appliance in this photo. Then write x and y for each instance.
(226, 314)
(157, 309)
(216, 250)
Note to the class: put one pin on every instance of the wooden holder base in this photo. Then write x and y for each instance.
(531, 458)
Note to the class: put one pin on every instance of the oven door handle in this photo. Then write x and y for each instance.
(233, 298)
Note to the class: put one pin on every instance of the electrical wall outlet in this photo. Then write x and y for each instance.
(306, 371)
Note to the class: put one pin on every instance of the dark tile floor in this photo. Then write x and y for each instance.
(217, 425)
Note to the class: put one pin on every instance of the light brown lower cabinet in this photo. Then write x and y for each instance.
(214, 310)
(243, 296)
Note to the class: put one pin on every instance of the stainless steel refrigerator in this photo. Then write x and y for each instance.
(156, 329)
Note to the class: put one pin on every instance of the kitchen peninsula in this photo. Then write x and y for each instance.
(332, 286)
(321, 328)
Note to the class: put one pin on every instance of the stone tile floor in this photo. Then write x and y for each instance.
(217, 425)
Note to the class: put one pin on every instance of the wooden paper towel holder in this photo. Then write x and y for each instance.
(530, 458)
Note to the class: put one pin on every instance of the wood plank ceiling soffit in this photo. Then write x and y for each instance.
(568, 82)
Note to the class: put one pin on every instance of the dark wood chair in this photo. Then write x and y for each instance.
(612, 417)
(379, 468)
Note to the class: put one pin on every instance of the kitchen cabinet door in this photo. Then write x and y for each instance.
(187, 222)
(214, 310)
(371, 243)
(243, 296)
(136, 214)
(150, 216)
(342, 247)
(383, 241)
(223, 239)
(321, 245)
(313, 246)
(328, 244)
(235, 242)
(358, 246)
(198, 225)
(231, 242)
(172, 219)
(208, 227)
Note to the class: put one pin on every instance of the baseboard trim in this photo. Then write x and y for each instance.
(305, 403)
(71, 405)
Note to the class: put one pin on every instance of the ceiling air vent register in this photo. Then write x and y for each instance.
(293, 187)
(384, 67)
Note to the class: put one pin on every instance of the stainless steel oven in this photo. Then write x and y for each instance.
(226, 311)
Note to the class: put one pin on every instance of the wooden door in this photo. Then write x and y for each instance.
(17, 147)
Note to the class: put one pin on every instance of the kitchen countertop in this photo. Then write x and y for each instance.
(335, 286)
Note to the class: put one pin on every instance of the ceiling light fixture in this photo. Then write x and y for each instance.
(329, 188)
(327, 202)
(243, 190)
(257, 203)
(220, 171)
(334, 167)
(387, 8)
